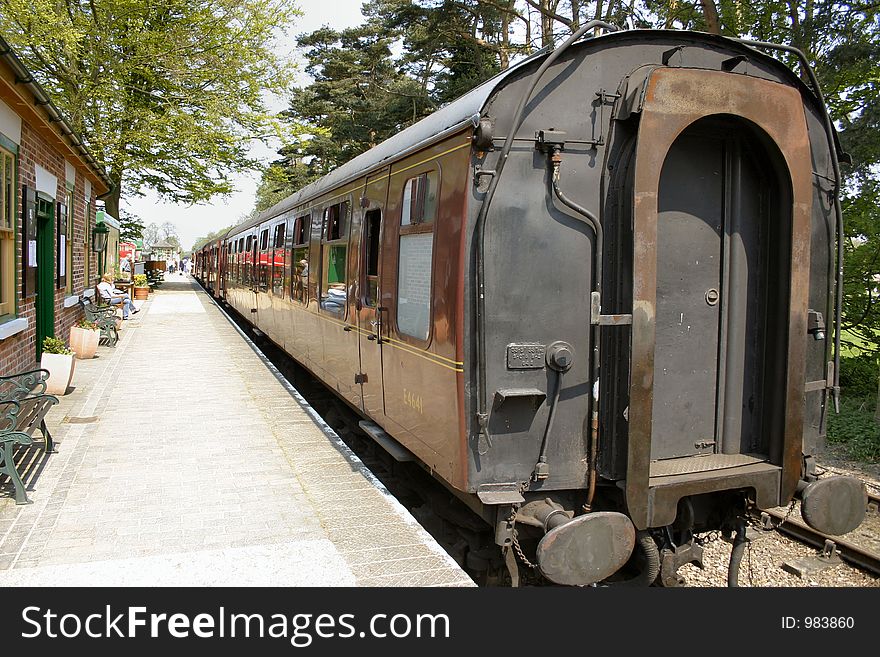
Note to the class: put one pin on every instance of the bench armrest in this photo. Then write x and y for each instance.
(17, 386)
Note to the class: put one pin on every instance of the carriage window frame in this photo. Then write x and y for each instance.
(277, 276)
(424, 226)
(419, 222)
(246, 272)
(239, 260)
(299, 282)
(371, 257)
(335, 235)
(263, 260)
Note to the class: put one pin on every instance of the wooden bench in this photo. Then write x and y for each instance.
(23, 409)
(104, 316)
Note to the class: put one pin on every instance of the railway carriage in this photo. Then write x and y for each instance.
(595, 297)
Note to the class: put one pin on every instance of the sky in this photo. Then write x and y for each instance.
(194, 221)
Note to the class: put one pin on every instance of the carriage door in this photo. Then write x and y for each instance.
(715, 296)
(370, 313)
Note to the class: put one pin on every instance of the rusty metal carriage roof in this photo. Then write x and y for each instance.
(467, 108)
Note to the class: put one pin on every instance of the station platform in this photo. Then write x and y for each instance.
(185, 459)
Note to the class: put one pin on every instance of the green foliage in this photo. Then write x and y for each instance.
(131, 227)
(856, 428)
(859, 375)
(55, 346)
(166, 94)
(86, 324)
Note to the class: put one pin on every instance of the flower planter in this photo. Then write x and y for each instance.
(60, 367)
(141, 292)
(84, 342)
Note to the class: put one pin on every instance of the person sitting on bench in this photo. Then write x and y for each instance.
(115, 297)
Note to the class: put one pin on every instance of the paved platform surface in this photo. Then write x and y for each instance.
(184, 460)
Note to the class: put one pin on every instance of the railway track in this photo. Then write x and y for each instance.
(848, 550)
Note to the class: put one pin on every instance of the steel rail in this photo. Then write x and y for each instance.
(848, 550)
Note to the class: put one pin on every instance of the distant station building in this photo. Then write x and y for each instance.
(49, 184)
(162, 250)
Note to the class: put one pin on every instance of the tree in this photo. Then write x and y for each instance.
(131, 227)
(165, 94)
(151, 234)
(358, 99)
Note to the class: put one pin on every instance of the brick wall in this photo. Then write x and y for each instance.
(18, 352)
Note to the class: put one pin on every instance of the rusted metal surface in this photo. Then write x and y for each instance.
(590, 548)
(673, 100)
(849, 551)
(834, 505)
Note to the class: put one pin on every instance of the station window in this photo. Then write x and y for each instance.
(7, 232)
(69, 244)
(333, 256)
(418, 211)
(87, 246)
(300, 279)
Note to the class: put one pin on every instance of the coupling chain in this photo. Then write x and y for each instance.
(516, 546)
(787, 515)
(520, 554)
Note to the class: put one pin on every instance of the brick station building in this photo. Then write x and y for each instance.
(49, 186)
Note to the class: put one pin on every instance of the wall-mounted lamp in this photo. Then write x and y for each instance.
(99, 244)
(99, 237)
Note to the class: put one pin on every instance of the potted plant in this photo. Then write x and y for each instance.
(84, 339)
(59, 361)
(141, 286)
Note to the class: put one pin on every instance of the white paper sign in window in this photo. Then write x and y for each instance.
(414, 285)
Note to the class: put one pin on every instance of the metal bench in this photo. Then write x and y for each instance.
(23, 409)
(28, 389)
(9, 438)
(104, 317)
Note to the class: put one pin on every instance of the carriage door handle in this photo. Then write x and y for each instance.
(379, 311)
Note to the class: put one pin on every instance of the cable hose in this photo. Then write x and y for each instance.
(736, 555)
(652, 559)
(542, 458)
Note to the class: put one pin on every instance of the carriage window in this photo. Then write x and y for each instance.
(419, 200)
(417, 215)
(263, 261)
(333, 261)
(414, 285)
(371, 256)
(246, 270)
(336, 218)
(300, 279)
(278, 261)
